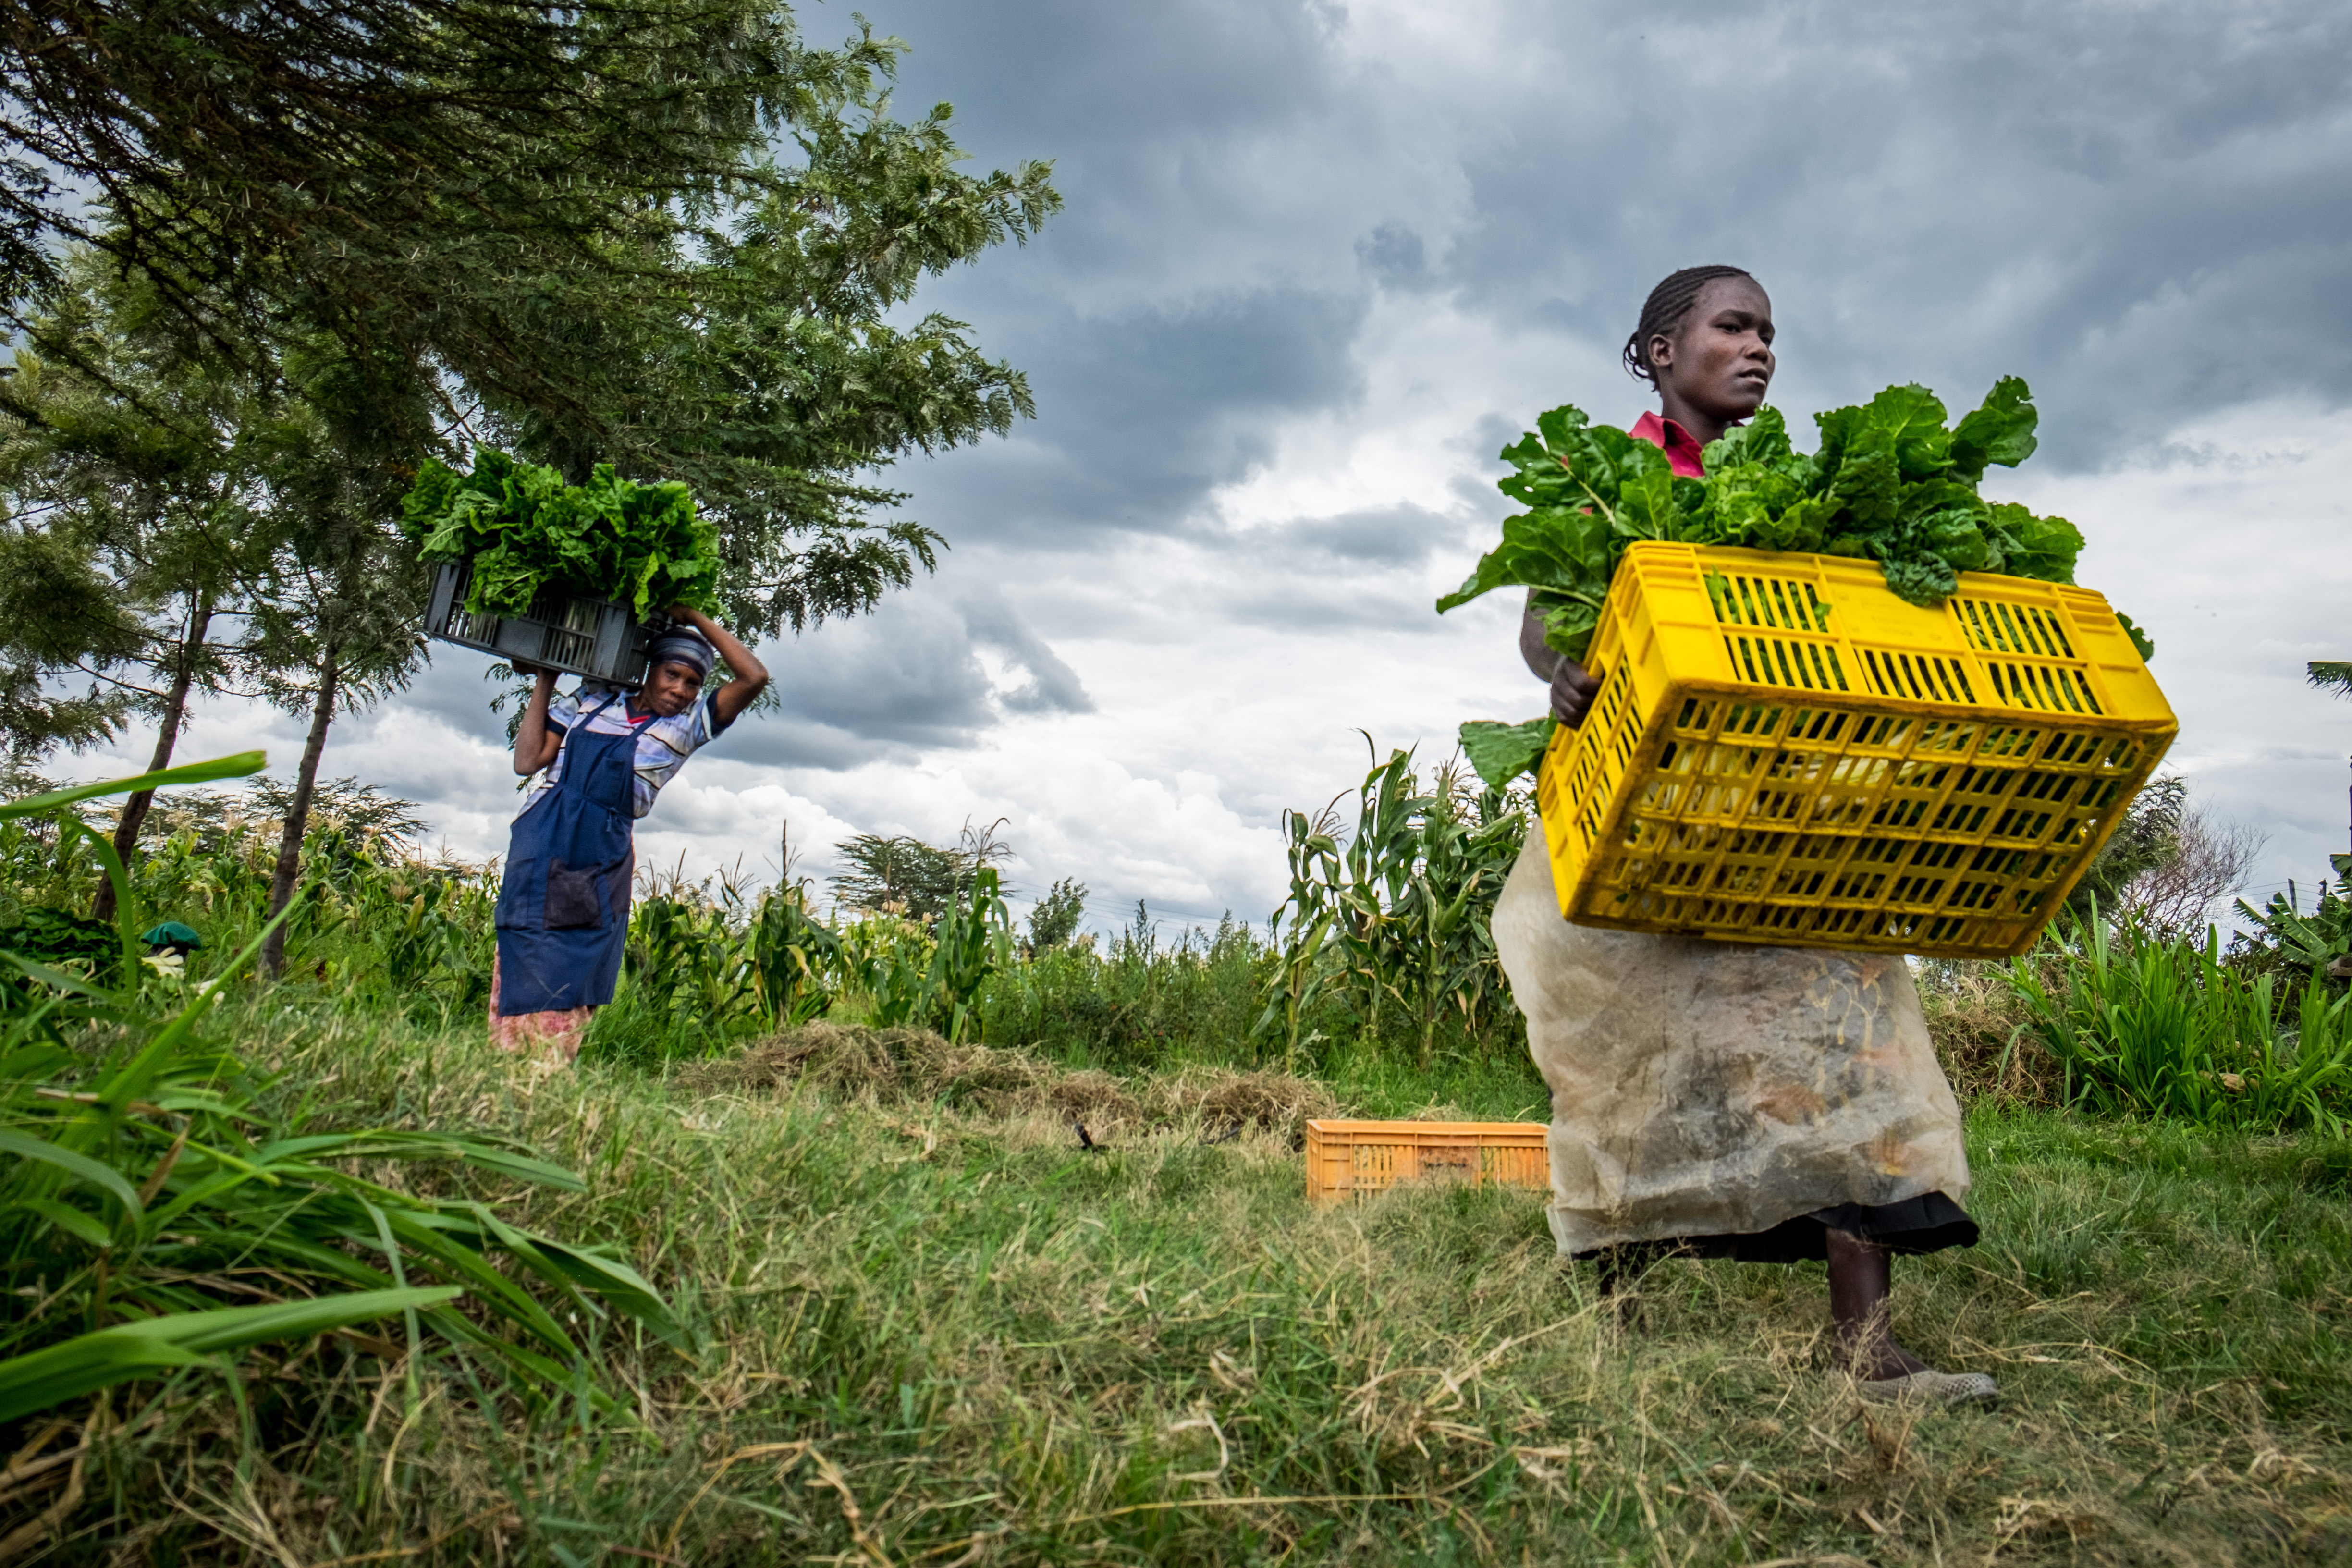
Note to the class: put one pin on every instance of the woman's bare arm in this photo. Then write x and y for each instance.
(534, 747)
(1572, 689)
(751, 675)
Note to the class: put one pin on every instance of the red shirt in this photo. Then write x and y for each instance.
(1681, 448)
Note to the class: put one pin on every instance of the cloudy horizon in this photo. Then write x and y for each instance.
(1320, 261)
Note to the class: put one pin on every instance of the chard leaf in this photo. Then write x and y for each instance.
(1911, 419)
(2043, 548)
(2001, 430)
(1501, 753)
(1568, 623)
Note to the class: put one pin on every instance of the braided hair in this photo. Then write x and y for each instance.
(1664, 310)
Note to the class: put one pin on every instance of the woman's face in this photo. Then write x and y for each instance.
(1719, 358)
(672, 688)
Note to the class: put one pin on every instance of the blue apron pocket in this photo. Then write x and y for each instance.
(575, 894)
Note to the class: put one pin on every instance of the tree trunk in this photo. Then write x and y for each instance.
(167, 735)
(297, 810)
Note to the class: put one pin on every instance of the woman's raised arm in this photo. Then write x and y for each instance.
(751, 675)
(534, 747)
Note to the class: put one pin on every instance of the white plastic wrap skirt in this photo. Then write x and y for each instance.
(1714, 1089)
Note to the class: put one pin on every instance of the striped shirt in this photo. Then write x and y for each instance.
(663, 744)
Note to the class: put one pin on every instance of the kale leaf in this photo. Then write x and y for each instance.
(1891, 483)
(524, 529)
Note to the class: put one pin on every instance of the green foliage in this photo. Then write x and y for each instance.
(888, 957)
(1501, 753)
(338, 159)
(933, 976)
(678, 239)
(975, 940)
(1139, 1000)
(1402, 912)
(524, 531)
(793, 956)
(148, 1201)
(59, 937)
(1000, 1337)
(2145, 839)
(2331, 675)
(1890, 483)
(703, 971)
(1301, 975)
(1055, 920)
(2147, 1026)
(137, 470)
(684, 959)
(905, 876)
(2305, 947)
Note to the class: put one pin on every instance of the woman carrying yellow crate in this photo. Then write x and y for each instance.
(1721, 1099)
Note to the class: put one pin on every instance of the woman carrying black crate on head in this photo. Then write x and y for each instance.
(603, 754)
(1723, 1099)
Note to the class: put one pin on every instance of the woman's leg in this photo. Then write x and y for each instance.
(1861, 1275)
(551, 1037)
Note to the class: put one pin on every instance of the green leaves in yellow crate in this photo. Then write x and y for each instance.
(1890, 483)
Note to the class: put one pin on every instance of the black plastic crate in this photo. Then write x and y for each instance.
(591, 637)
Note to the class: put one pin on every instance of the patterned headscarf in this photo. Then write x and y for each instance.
(681, 645)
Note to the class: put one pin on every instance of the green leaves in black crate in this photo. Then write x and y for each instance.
(524, 529)
(1890, 484)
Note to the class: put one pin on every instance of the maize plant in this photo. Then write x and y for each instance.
(793, 955)
(1300, 976)
(1400, 914)
(975, 940)
(684, 957)
(929, 976)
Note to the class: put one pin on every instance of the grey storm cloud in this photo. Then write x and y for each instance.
(1141, 413)
(902, 680)
(2141, 208)
(1053, 687)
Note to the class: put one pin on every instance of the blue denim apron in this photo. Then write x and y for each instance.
(563, 909)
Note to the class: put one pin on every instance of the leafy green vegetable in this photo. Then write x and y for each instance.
(1501, 752)
(1891, 483)
(524, 529)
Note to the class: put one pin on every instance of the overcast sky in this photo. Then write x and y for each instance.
(1320, 261)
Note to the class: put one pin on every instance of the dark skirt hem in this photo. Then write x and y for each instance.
(1929, 1223)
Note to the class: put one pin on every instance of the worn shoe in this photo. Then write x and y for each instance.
(1932, 1388)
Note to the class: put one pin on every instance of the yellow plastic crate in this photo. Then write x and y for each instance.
(1783, 751)
(1352, 1158)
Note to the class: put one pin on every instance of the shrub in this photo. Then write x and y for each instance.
(2142, 1026)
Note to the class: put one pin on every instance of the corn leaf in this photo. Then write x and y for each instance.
(49, 1376)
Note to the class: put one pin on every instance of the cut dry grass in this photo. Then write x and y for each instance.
(903, 1066)
(1978, 1025)
(937, 1331)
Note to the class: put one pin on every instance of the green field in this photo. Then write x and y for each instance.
(933, 1330)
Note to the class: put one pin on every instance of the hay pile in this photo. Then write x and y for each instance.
(900, 1066)
(1979, 1026)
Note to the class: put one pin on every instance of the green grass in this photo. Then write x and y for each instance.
(934, 1336)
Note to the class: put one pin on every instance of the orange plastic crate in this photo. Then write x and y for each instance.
(1347, 1159)
(1783, 751)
